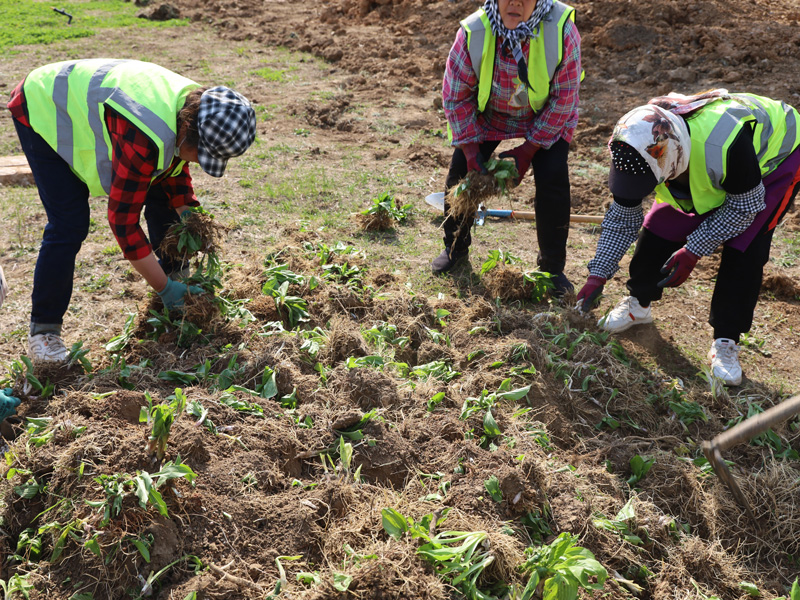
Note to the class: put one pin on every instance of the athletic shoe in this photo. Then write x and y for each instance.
(47, 347)
(724, 356)
(625, 315)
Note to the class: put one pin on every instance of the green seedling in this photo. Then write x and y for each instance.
(278, 274)
(622, 524)
(536, 525)
(324, 252)
(383, 334)
(769, 439)
(77, 355)
(313, 341)
(149, 584)
(386, 203)
(492, 486)
(496, 258)
(640, 466)
(437, 369)
(22, 375)
(266, 388)
(349, 275)
(560, 568)
(435, 400)
(541, 284)
(121, 341)
(16, 584)
(504, 172)
(293, 309)
(486, 400)
(143, 485)
(309, 579)
(162, 322)
(162, 417)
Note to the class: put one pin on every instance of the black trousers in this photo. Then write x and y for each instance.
(735, 293)
(551, 203)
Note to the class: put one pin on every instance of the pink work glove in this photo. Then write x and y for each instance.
(474, 159)
(678, 268)
(522, 155)
(590, 292)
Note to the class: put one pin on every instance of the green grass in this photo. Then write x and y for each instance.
(270, 74)
(27, 22)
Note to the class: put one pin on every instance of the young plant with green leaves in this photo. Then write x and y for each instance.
(624, 524)
(487, 400)
(386, 204)
(458, 557)
(497, 258)
(145, 486)
(559, 569)
(162, 418)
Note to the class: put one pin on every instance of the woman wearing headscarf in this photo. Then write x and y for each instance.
(725, 168)
(513, 72)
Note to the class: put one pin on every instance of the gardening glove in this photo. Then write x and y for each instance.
(522, 155)
(3, 287)
(8, 404)
(590, 293)
(677, 268)
(174, 294)
(474, 158)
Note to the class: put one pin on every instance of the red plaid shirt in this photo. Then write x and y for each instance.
(133, 161)
(502, 120)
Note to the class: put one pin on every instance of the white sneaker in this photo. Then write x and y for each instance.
(47, 347)
(724, 355)
(625, 315)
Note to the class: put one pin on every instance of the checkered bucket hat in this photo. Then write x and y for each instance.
(226, 123)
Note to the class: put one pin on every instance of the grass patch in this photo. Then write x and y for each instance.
(28, 22)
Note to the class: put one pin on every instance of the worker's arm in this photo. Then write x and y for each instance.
(619, 230)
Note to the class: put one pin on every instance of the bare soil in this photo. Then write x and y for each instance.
(365, 97)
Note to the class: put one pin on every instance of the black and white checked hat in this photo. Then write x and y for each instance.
(226, 124)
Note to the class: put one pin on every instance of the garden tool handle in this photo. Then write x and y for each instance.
(749, 428)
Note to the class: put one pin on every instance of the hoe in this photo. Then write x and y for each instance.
(745, 431)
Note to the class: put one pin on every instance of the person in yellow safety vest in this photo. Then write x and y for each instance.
(513, 72)
(127, 130)
(725, 168)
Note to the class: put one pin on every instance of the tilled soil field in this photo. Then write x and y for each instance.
(337, 411)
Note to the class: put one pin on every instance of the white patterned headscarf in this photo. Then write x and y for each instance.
(659, 133)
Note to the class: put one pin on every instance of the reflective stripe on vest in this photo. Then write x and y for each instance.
(714, 128)
(78, 99)
(544, 53)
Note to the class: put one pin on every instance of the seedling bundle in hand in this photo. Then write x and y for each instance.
(194, 233)
(476, 187)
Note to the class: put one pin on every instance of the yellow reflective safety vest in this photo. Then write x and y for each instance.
(544, 53)
(713, 129)
(67, 101)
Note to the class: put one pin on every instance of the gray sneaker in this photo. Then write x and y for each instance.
(47, 347)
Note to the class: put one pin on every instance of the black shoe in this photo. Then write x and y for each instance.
(561, 285)
(445, 262)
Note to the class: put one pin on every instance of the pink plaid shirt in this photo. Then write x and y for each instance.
(501, 120)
